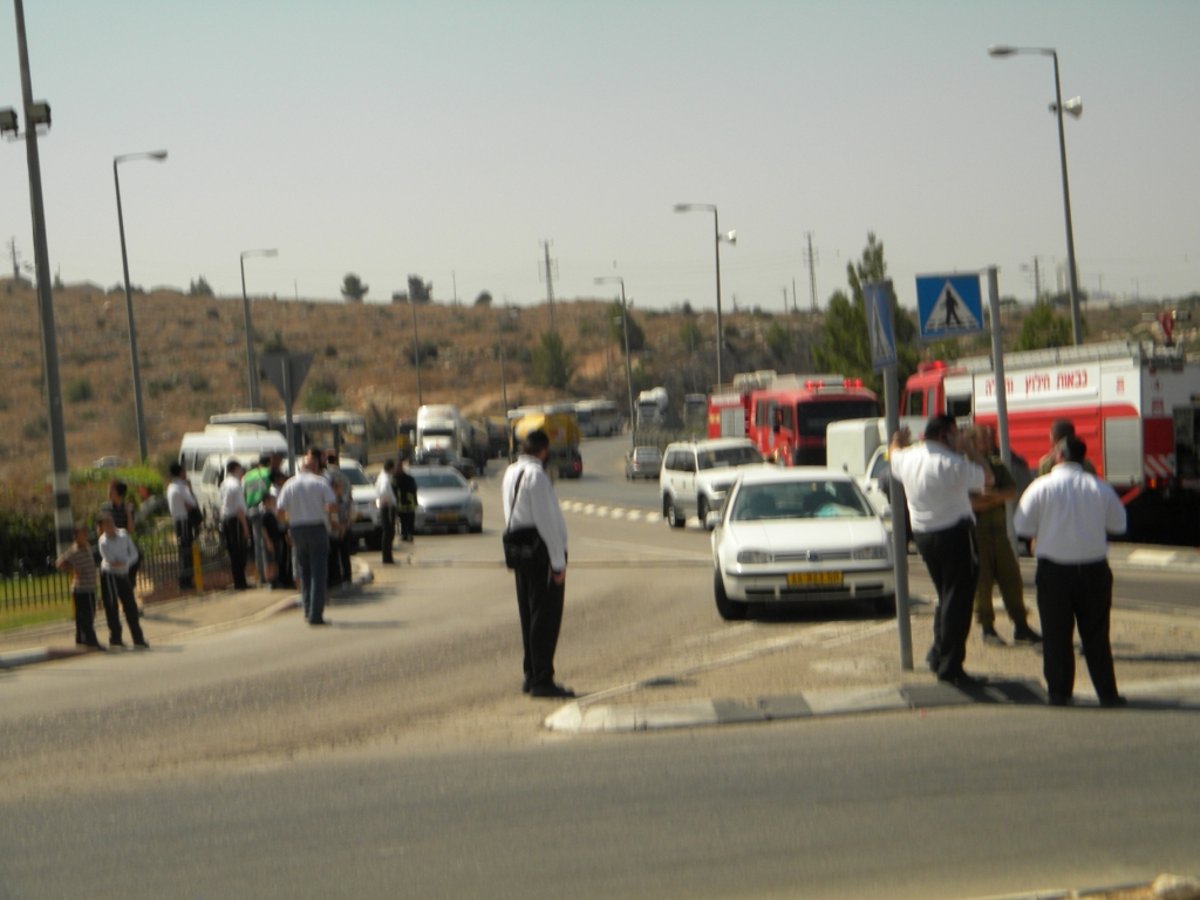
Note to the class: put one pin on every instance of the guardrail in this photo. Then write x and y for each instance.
(158, 569)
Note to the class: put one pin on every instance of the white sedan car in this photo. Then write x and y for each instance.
(791, 535)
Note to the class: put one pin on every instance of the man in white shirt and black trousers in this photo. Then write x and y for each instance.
(531, 507)
(1069, 514)
(938, 477)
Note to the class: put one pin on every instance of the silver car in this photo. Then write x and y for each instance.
(446, 500)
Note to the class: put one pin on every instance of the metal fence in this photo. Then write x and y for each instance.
(158, 568)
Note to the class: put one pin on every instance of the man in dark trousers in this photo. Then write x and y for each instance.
(531, 508)
(937, 482)
(405, 487)
(385, 501)
(1069, 515)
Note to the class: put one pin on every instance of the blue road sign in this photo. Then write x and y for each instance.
(949, 305)
(879, 325)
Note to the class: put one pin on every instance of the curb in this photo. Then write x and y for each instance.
(581, 717)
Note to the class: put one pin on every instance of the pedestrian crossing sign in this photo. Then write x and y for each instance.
(949, 305)
(880, 333)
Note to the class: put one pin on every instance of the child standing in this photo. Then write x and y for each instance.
(78, 559)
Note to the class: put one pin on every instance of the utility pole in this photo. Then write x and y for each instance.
(1037, 281)
(785, 300)
(811, 262)
(795, 308)
(549, 281)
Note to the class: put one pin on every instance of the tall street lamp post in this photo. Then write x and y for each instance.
(38, 114)
(138, 410)
(251, 368)
(729, 238)
(1075, 107)
(602, 279)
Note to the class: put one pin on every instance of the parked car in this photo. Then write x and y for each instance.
(445, 499)
(366, 526)
(643, 462)
(803, 534)
(696, 474)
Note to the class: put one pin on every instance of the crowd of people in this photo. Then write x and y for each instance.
(297, 531)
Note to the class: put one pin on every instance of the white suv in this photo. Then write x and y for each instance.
(696, 475)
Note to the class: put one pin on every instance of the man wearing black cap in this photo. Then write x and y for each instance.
(938, 481)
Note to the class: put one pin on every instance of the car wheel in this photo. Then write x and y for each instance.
(477, 529)
(672, 514)
(729, 610)
(702, 510)
(886, 606)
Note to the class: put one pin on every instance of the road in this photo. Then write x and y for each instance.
(394, 754)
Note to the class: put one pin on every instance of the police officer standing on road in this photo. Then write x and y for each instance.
(937, 482)
(531, 506)
(1069, 515)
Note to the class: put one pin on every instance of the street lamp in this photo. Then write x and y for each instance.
(602, 279)
(1075, 108)
(511, 315)
(64, 527)
(729, 238)
(138, 413)
(251, 368)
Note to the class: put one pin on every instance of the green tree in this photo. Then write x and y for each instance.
(322, 395)
(1043, 327)
(484, 299)
(616, 332)
(200, 288)
(552, 362)
(419, 291)
(844, 346)
(689, 335)
(353, 289)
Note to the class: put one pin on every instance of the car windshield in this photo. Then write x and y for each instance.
(800, 500)
(729, 456)
(448, 479)
(646, 453)
(355, 475)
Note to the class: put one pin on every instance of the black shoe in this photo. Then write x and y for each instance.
(991, 637)
(117, 644)
(95, 646)
(318, 622)
(1026, 635)
(551, 690)
(141, 645)
(525, 686)
(1059, 700)
(963, 680)
(1116, 700)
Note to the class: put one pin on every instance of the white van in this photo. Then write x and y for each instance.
(203, 455)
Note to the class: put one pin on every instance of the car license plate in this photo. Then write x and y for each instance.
(447, 517)
(814, 579)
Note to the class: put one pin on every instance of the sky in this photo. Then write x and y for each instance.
(451, 139)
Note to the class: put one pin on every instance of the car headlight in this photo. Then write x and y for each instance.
(879, 551)
(754, 556)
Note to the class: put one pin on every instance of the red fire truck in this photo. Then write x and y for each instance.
(786, 415)
(1133, 404)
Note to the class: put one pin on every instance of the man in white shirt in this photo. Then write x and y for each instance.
(938, 481)
(1069, 514)
(531, 511)
(385, 499)
(118, 555)
(235, 526)
(180, 503)
(308, 502)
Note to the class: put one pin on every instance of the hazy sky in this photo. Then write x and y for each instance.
(449, 139)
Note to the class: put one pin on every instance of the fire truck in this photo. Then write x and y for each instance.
(1133, 404)
(786, 415)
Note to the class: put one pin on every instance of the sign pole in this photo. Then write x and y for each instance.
(880, 301)
(1001, 386)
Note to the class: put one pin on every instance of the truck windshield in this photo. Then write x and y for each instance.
(814, 416)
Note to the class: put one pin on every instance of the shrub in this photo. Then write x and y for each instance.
(79, 390)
